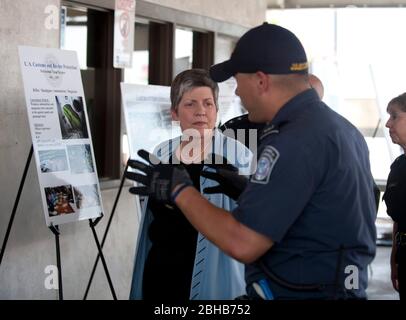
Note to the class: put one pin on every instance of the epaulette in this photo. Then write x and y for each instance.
(240, 122)
(269, 129)
(233, 128)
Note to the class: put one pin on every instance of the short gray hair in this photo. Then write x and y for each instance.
(188, 80)
(400, 101)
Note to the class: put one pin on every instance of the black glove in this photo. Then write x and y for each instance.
(160, 179)
(230, 182)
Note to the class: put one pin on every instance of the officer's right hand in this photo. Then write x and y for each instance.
(230, 182)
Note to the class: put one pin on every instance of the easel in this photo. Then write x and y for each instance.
(55, 231)
(113, 210)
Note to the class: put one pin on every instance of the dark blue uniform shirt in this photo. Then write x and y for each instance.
(312, 193)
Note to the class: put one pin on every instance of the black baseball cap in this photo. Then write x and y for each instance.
(268, 48)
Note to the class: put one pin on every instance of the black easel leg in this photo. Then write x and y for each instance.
(55, 231)
(105, 232)
(20, 189)
(102, 259)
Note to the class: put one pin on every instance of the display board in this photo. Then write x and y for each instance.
(147, 113)
(60, 134)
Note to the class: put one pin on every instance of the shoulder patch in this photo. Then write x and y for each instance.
(265, 165)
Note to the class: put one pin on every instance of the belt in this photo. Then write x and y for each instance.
(400, 239)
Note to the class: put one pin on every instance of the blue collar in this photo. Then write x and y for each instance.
(294, 105)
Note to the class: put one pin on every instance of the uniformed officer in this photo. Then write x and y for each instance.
(305, 223)
(395, 193)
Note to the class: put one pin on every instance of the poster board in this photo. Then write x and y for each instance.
(147, 113)
(60, 133)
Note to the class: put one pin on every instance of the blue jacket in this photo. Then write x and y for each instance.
(218, 276)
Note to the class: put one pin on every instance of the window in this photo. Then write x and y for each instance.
(358, 65)
(349, 49)
(183, 50)
(193, 49)
(138, 73)
(89, 32)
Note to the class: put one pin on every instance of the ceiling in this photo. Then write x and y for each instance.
(279, 4)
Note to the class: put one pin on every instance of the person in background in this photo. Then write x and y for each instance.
(395, 193)
(317, 85)
(174, 261)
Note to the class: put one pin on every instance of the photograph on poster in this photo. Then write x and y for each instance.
(86, 196)
(80, 158)
(59, 200)
(72, 117)
(166, 116)
(53, 160)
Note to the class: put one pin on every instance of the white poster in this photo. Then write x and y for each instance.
(147, 112)
(60, 134)
(124, 19)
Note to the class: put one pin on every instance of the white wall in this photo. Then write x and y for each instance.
(248, 13)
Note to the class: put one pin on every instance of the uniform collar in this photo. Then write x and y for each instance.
(296, 104)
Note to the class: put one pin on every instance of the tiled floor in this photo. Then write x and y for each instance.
(380, 285)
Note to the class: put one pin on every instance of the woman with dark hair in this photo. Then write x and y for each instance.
(173, 260)
(395, 194)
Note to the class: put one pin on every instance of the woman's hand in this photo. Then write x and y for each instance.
(394, 276)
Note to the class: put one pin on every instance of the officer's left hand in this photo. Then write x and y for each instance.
(231, 183)
(160, 179)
